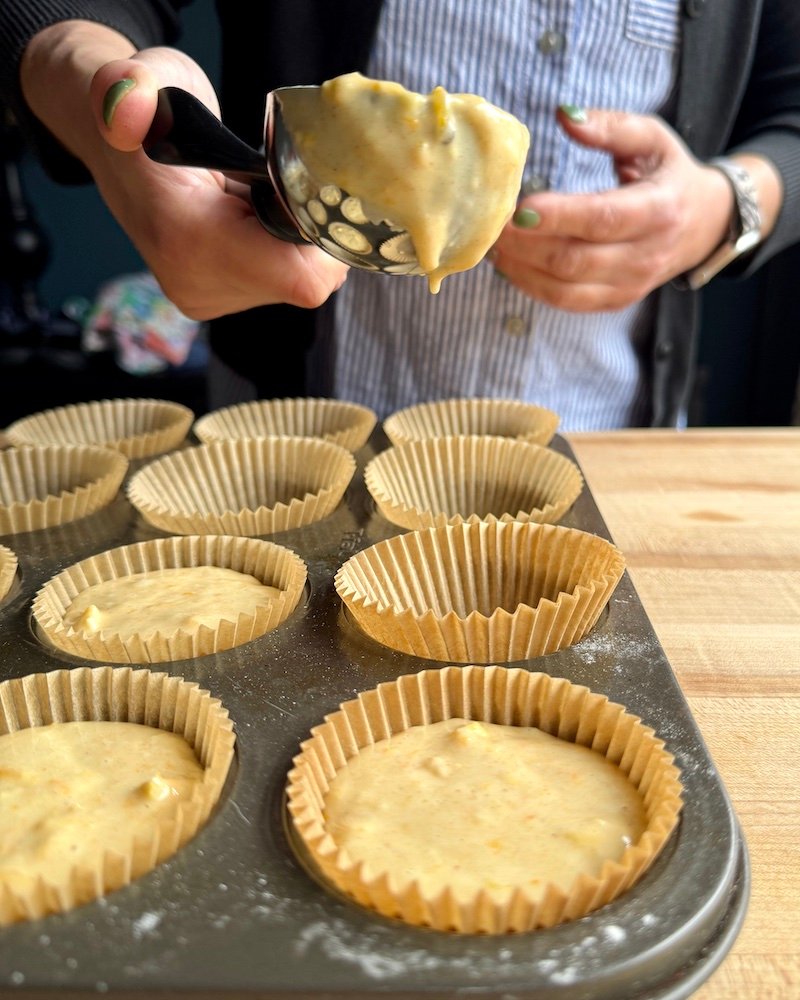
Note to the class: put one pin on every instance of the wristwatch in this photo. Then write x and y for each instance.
(745, 231)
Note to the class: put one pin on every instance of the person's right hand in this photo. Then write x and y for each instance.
(203, 244)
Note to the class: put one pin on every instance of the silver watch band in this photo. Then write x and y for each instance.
(745, 231)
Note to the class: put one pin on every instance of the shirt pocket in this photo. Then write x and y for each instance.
(653, 22)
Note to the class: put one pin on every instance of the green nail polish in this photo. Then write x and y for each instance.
(526, 218)
(114, 95)
(574, 113)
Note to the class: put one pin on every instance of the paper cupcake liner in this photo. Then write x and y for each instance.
(426, 484)
(512, 697)
(254, 486)
(343, 423)
(501, 417)
(481, 592)
(119, 694)
(8, 570)
(274, 565)
(45, 486)
(136, 427)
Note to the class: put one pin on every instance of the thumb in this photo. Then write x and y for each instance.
(123, 95)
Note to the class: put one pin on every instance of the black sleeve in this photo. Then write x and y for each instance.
(769, 117)
(144, 22)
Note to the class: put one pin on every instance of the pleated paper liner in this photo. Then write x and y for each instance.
(271, 564)
(136, 427)
(481, 592)
(344, 423)
(501, 417)
(254, 486)
(510, 697)
(425, 484)
(8, 570)
(118, 694)
(44, 486)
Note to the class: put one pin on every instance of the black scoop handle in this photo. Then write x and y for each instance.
(184, 133)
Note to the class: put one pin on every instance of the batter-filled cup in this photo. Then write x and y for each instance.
(129, 605)
(79, 823)
(482, 799)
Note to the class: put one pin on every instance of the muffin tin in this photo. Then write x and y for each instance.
(238, 911)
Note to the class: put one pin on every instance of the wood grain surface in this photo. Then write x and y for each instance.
(709, 521)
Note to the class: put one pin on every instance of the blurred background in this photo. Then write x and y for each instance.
(76, 311)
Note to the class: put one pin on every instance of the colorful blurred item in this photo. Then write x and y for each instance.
(148, 334)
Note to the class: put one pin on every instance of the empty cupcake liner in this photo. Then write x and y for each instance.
(45, 486)
(8, 570)
(501, 417)
(119, 694)
(271, 564)
(481, 592)
(344, 423)
(511, 697)
(254, 486)
(136, 427)
(425, 484)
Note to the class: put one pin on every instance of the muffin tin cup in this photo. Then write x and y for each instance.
(501, 417)
(427, 484)
(252, 486)
(271, 564)
(344, 423)
(497, 695)
(481, 592)
(119, 694)
(136, 427)
(41, 487)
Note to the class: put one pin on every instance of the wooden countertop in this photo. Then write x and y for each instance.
(709, 522)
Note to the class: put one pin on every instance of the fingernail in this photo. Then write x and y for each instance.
(526, 218)
(576, 114)
(114, 95)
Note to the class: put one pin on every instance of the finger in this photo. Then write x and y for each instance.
(576, 261)
(623, 214)
(123, 95)
(577, 297)
(626, 136)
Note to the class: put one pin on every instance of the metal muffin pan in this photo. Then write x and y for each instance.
(237, 913)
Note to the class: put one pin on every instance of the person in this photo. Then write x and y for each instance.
(582, 305)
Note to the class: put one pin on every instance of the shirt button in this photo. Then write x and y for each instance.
(533, 183)
(514, 325)
(664, 350)
(550, 42)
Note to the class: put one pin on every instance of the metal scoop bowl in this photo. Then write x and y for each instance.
(289, 202)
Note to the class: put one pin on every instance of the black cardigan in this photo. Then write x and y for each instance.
(739, 86)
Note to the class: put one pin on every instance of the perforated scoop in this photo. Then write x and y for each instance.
(287, 199)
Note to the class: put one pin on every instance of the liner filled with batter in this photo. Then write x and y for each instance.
(170, 598)
(87, 810)
(468, 793)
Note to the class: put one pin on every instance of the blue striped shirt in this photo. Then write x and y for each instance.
(395, 344)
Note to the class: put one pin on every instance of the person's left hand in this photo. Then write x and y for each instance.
(606, 250)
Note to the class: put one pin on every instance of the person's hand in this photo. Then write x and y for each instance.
(203, 244)
(606, 250)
